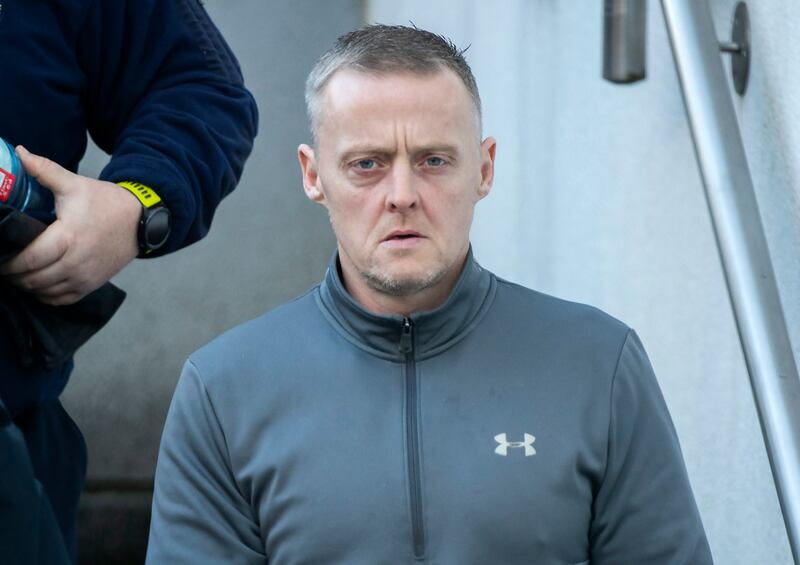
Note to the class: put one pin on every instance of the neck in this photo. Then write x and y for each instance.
(381, 303)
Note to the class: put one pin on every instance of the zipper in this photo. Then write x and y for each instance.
(412, 439)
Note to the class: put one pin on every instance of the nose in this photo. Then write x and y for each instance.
(402, 195)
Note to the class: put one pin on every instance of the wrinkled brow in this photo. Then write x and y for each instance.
(389, 152)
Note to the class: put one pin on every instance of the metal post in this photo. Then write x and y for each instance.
(743, 246)
(624, 40)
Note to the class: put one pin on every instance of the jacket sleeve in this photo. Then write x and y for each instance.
(644, 511)
(199, 514)
(164, 95)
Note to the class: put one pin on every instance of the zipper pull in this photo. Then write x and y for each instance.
(406, 341)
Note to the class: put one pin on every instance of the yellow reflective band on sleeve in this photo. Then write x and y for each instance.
(146, 195)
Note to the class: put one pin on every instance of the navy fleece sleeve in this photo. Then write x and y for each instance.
(165, 96)
(644, 511)
(199, 515)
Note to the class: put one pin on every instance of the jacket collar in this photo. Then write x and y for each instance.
(433, 330)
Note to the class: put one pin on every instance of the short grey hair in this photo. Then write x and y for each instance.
(382, 49)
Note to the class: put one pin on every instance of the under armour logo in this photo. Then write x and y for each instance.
(502, 449)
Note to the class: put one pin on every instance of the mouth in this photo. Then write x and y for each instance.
(402, 235)
(402, 239)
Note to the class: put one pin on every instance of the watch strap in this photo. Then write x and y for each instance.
(154, 221)
(146, 195)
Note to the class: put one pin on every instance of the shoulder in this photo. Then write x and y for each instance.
(578, 338)
(531, 307)
(257, 343)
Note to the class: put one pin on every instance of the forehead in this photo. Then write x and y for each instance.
(358, 107)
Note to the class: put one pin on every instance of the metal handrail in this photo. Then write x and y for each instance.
(742, 245)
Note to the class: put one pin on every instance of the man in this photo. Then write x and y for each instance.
(156, 86)
(32, 536)
(413, 407)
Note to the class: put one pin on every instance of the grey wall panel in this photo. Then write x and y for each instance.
(267, 244)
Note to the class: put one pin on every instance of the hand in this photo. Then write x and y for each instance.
(92, 239)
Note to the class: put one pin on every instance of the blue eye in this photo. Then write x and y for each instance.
(434, 161)
(366, 164)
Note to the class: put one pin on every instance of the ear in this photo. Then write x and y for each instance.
(311, 180)
(488, 148)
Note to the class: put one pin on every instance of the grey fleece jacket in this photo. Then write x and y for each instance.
(504, 427)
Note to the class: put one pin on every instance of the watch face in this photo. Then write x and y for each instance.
(157, 227)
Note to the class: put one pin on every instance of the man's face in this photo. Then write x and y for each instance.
(399, 165)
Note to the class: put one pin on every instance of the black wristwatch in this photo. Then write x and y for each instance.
(154, 223)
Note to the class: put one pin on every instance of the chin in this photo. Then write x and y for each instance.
(404, 282)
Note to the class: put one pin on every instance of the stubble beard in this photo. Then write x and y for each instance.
(396, 287)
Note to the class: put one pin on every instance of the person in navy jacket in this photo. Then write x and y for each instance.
(156, 86)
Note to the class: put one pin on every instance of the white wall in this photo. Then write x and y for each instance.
(598, 199)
